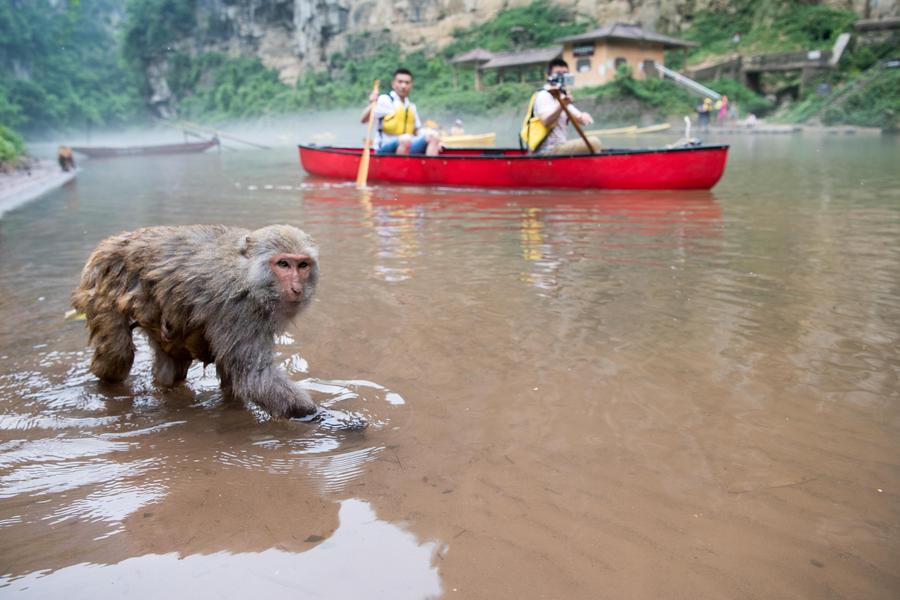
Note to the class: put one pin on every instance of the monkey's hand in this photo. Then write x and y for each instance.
(271, 389)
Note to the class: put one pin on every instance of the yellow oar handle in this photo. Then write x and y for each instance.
(363, 173)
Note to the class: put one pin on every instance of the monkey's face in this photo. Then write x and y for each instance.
(296, 276)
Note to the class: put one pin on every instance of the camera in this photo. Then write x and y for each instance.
(561, 80)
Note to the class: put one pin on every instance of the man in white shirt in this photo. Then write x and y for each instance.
(548, 107)
(398, 122)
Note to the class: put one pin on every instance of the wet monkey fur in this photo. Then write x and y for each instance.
(202, 292)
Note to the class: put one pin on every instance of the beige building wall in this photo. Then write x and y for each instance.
(602, 64)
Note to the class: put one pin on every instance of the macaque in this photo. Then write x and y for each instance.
(201, 292)
(65, 158)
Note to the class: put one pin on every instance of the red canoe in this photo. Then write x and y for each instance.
(110, 152)
(692, 167)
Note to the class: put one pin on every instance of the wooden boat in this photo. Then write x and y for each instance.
(470, 140)
(111, 151)
(630, 130)
(690, 167)
(612, 131)
(653, 128)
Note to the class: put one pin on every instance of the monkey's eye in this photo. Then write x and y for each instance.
(303, 264)
(283, 264)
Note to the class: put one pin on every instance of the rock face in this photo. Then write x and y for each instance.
(161, 99)
(294, 35)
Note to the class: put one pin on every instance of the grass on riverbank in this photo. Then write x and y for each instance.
(760, 26)
(869, 101)
(11, 146)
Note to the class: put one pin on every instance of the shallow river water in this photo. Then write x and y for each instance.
(569, 394)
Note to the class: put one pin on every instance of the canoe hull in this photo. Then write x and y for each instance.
(697, 167)
(112, 152)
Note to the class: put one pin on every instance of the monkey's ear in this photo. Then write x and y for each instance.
(245, 246)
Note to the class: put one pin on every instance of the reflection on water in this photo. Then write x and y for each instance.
(593, 382)
(78, 453)
(381, 559)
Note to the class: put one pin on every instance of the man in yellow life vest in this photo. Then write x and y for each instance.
(544, 130)
(398, 121)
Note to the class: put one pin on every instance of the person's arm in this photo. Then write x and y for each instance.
(564, 98)
(373, 99)
(548, 107)
(417, 124)
(582, 116)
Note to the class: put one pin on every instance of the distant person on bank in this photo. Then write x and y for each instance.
(544, 129)
(397, 121)
(703, 111)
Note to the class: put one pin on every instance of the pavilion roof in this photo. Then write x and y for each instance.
(520, 58)
(476, 55)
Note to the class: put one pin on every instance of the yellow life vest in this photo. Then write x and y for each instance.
(533, 132)
(402, 120)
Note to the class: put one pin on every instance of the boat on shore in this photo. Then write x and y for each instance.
(653, 128)
(681, 168)
(113, 151)
(469, 140)
(630, 130)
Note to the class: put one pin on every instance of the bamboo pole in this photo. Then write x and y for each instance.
(189, 125)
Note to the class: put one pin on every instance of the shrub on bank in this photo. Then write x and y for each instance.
(876, 105)
(11, 145)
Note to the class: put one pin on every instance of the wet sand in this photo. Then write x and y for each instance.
(569, 394)
(23, 185)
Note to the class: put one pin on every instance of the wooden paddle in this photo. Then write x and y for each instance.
(556, 94)
(363, 174)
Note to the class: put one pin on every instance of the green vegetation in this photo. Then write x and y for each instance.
(746, 99)
(71, 63)
(11, 145)
(60, 68)
(154, 25)
(539, 24)
(213, 86)
(625, 99)
(875, 106)
(765, 26)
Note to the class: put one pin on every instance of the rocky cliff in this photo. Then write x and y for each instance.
(292, 36)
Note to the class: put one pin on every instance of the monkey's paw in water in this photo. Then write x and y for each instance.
(336, 420)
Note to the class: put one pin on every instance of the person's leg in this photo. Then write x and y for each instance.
(388, 148)
(418, 145)
(404, 143)
(434, 145)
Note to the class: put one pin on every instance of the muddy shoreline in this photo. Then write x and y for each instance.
(24, 184)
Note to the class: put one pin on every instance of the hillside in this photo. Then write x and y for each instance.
(72, 64)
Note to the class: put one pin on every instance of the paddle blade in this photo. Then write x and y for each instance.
(363, 174)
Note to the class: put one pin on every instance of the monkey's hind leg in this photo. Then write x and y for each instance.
(114, 348)
(169, 368)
